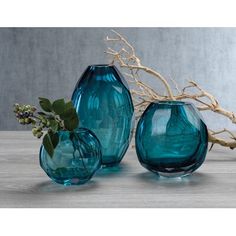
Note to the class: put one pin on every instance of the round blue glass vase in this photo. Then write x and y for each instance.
(75, 160)
(171, 138)
(103, 102)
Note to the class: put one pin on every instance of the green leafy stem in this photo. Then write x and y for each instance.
(55, 116)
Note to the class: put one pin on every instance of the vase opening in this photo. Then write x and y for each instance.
(101, 65)
(173, 103)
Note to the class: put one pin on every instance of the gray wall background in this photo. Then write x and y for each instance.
(47, 62)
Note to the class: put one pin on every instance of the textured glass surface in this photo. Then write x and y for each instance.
(103, 102)
(75, 159)
(171, 138)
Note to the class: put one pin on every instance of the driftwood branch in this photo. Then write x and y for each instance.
(143, 94)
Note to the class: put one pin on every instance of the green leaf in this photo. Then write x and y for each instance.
(58, 106)
(48, 145)
(45, 104)
(72, 123)
(54, 138)
(69, 105)
(53, 125)
(42, 99)
(68, 114)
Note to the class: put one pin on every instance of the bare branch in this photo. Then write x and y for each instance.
(143, 94)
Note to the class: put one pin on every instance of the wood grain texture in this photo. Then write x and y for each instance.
(24, 184)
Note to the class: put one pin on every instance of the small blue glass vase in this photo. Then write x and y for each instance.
(103, 102)
(75, 160)
(171, 138)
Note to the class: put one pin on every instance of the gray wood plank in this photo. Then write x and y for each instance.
(24, 184)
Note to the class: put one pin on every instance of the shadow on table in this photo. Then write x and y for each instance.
(113, 171)
(51, 187)
(191, 180)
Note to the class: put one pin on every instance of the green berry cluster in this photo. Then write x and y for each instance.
(24, 113)
(37, 132)
(25, 116)
(57, 115)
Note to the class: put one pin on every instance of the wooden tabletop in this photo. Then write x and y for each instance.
(24, 184)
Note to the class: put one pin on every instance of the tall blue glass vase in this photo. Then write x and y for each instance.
(103, 102)
(171, 138)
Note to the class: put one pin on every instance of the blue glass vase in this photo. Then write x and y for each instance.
(171, 138)
(104, 105)
(75, 160)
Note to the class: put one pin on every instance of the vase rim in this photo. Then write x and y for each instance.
(73, 131)
(173, 102)
(101, 65)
